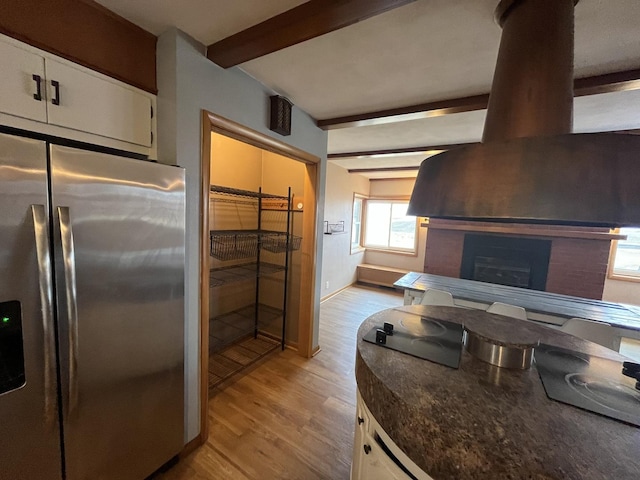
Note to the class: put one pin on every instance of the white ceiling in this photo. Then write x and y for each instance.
(205, 20)
(425, 51)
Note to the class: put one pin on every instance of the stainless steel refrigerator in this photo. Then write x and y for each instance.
(91, 313)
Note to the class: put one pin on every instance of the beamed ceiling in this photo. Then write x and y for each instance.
(399, 76)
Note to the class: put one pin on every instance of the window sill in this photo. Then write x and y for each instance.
(405, 253)
(357, 250)
(624, 278)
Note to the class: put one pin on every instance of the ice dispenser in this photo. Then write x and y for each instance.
(11, 350)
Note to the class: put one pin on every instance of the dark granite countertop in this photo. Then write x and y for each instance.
(484, 422)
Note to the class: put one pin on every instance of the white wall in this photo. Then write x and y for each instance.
(620, 291)
(338, 265)
(187, 83)
(401, 187)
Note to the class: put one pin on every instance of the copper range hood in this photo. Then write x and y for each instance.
(529, 168)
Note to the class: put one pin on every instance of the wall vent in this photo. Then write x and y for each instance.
(280, 121)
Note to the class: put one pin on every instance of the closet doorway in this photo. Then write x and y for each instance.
(258, 228)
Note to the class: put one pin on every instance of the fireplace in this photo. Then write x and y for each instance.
(505, 260)
(576, 264)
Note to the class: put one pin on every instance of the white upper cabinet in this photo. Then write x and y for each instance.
(22, 89)
(85, 102)
(44, 93)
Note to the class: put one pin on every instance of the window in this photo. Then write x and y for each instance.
(356, 223)
(387, 226)
(626, 256)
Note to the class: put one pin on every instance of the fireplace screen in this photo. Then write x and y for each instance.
(505, 272)
(512, 261)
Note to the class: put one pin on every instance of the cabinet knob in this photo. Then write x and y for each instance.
(367, 449)
(360, 420)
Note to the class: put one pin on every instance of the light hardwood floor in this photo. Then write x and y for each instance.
(290, 417)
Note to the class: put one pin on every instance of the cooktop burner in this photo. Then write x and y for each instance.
(592, 383)
(424, 327)
(435, 340)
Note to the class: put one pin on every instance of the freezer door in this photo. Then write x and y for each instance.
(119, 249)
(29, 428)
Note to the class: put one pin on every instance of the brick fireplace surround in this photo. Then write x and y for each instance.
(578, 262)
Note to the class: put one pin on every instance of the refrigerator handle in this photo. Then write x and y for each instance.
(69, 260)
(45, 284)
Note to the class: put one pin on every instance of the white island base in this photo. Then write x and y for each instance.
(375, 456)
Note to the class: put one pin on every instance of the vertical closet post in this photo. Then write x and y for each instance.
(257, 303)
(286, 265)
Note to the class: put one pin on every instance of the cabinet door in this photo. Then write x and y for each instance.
(91, 104)
(362, 426)
(18, 89)
(376, 464)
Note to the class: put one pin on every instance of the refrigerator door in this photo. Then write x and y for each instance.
(29, 428)
(119, 249)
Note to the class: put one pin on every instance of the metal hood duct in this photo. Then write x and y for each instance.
(529, 168)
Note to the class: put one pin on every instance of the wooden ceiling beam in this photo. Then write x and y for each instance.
(635, 131)
(412, 112)
(426, 148)
(382, 169)
(396, 151)
(301, 23)
(607, 83)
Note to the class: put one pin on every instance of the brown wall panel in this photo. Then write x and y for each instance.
(444, 252)
(86, 33)
(578, 267)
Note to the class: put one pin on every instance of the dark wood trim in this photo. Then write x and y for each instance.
(308, 264)
(190, 447)
(412, 112)
(85, 33)
(215, 123)
(527, 230)
(635, 131)
(244, 134)
(383, 169)
(391, 179)
(301, 23)
(426, 148)
(607, 83)
(205, 172)
(396, 151)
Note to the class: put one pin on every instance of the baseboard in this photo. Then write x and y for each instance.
(192, 446)
(333, 294)
(172, 462)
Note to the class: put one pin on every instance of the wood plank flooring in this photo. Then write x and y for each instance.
(236, 357)
(288, 417)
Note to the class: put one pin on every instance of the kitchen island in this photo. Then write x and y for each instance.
(543, 307)
(485, 422)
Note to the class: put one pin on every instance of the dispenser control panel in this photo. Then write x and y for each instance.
(12, 373)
